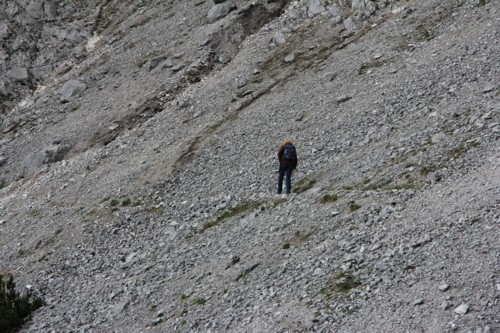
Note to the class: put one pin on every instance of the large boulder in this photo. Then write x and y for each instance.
(51, 154)
(72, 89)
(220, 11)
(18, 73)
(314, 8)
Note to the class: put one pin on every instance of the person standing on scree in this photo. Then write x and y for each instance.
(288, 163)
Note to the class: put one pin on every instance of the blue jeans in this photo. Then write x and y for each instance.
(285, 170)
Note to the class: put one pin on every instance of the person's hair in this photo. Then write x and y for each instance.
(287, 142)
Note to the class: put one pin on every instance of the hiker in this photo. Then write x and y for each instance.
(288, 163)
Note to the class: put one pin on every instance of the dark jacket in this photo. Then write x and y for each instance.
(286, 162)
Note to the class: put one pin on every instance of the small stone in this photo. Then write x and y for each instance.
(461, 309)
(279, 38)
(331, 76)
(3, 160)
(240, 82)
(418, 301)
(443, 287)
(349, 24)
(290, 58)
(315, 8)
(498, 287)
(342, 98)
(488, 88)
(446, 305)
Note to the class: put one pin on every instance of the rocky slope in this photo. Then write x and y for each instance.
(138, 165)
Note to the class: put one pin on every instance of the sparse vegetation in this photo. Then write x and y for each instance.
(353, 206)
(304, 185)
(114, 203)
(126, 202)
(236, 210)
(14, 308)
(244, 273)
(345, 281)
(156, 210)
(199, 301)
(2, 183)
(286, 246)
(329, 198)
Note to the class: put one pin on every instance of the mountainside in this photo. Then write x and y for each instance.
(138, 164)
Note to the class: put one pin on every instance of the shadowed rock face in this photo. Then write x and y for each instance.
(138, 164)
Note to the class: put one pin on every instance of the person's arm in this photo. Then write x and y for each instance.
(281, 151)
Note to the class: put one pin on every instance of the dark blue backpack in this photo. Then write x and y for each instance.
(290, 153)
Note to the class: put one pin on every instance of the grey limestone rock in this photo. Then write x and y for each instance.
(4, 30)
(290, 58)
(315, 7)
(18, 73)
(71, 89)
(51, 154)
(219, 11)
(279, 38)
(349, 24)
(153, 63)
(461, 309)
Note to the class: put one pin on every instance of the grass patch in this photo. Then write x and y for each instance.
(235, 211)
(345, 281)
(424, 171)
(199, 301)
(114, 203)
(377, 185)
(329, 198)
(277, 202)
(126, 202)
(353, 206)
(286, 246)
(247, 271)
(304, 185)
(14, 308)
(300, 237)
(156, 210)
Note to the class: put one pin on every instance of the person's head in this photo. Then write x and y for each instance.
(287, 142)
